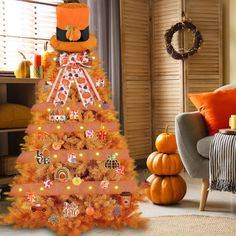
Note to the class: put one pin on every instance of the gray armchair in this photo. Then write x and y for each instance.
(193, 144)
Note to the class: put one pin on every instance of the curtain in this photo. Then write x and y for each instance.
(105, 24)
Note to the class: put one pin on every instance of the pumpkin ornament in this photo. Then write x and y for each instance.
(73, 33)
(112, 163)
(166, 142)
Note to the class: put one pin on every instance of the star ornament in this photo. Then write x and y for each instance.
(120, 171)
(48, 183)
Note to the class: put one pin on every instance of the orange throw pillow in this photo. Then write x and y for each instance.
(216, 107)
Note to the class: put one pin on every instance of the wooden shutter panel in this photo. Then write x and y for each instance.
(135, 39)
(168, 80)
(203, 71)
(167, 89)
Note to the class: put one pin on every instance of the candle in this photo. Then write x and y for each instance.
(37, 60)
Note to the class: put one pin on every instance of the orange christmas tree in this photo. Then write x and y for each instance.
(75, 169)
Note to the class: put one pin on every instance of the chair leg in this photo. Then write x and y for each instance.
(204, 194)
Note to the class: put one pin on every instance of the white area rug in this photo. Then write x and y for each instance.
(157, 226)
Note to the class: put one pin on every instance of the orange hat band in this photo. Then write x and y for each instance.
(62, 35)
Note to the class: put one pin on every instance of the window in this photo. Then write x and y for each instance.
(25, 25)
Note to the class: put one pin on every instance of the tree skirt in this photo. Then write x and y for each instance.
(157, 226)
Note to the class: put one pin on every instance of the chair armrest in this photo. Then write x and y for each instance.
(190, 127)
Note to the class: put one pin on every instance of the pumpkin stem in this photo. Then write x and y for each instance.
(22, 55)
(167, 129)
(45, 47)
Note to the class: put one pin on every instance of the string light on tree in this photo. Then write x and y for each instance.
(41, 189)
(116, 187)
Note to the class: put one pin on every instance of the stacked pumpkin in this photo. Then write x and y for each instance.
(166, 186)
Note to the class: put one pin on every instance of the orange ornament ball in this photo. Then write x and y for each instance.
(166, 142)
(90, 211)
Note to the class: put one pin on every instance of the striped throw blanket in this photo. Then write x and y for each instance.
(222, 157)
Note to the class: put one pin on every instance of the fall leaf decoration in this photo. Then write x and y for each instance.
(73, 33)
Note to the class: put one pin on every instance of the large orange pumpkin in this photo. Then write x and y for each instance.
(164, 164)
(166, 190)
(166, 142)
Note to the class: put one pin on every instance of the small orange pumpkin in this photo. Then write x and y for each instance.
(62, 96)
(73, 33)
(65, 82)
(166, 190)
(166, 142)
(86, 95)
(81, 80)
(164, 164)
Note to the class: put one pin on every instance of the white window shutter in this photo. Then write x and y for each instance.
(25, 26)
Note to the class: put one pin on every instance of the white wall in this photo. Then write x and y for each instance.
(232, 41)
(229, 30)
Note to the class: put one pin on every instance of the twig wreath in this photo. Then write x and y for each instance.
(183, 26)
